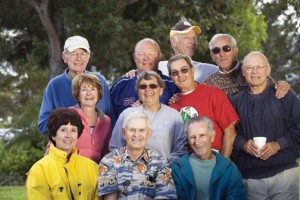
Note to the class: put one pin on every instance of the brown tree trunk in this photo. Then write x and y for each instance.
(51, 28)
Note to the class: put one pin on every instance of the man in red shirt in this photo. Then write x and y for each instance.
(203, 100)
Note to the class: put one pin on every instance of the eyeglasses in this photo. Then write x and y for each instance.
(82, 55)
(152, 86)
(252, 67)
(225, 48)
(183, 71)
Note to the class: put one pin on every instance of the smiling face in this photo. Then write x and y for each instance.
(256, 70)
(225, 60)
(200, 139)
(136, 134)
(88, 95)
(147, 55)
(185, 43)
(184, 78)
(76, 60)
(148, 95)
(66, 137)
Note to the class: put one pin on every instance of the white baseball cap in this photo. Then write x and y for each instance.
(76, 42)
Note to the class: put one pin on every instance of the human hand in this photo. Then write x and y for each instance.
(251, 148)
(173, 99)
(270, 149)
(137, 103)
(130, 74)
(282, 87)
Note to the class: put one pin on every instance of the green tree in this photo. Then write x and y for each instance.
(282, 46)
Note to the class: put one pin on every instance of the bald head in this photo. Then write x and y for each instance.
(256, 57)
(147, 55)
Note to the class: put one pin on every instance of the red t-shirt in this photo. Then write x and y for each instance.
(208, 101)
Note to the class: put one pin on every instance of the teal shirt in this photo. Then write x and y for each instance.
(202, 170)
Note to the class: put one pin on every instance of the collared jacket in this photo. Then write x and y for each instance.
(56, 177)
(95, 145)
(225, 182)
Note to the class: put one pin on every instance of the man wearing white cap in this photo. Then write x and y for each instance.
(58, 93)
(183, 38)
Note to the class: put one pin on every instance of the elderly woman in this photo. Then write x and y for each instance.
(63, 174)
(135, 172)
(168, 137)
(93, 143)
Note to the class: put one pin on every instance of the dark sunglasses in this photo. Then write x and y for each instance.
(183, 71)
(152, 86)
(225, 48)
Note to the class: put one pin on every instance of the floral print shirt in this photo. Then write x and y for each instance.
(147, 178)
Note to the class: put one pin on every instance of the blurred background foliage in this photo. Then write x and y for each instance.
(32, 33)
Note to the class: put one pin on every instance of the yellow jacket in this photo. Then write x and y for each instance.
(54, 177)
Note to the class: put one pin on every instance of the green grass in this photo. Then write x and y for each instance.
(12, 193)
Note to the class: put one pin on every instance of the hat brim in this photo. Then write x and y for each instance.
(195, 28)
(72, 48)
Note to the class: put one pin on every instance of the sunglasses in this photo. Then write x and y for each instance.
(152, 86)
(183, 71)
(225, 48)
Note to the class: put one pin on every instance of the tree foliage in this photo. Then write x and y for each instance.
(283, 44)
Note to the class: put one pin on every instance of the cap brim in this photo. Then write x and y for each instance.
(195, 28)
(72, 48)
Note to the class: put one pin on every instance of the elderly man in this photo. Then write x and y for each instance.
(58, 93)
(183, 39)
(146, 55)
(224, 52)
(134, 172)
(269, 172)
(199, 99)
(203, 173)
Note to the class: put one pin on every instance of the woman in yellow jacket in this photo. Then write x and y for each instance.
(63, 174)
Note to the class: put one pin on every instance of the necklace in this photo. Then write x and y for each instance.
(150, 113)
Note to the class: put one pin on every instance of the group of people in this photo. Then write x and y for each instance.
(176, 129)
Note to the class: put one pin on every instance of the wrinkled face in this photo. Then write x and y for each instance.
(200, 139)
(88, 95)
(225, 59)
(66, 137)
(76, 60)
(185, 43)
(146, 56)
(149, 95)
(256, 71)
(182, 75)
(136, 134)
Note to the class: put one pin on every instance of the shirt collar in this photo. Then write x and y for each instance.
(125, 154)
(235, 67)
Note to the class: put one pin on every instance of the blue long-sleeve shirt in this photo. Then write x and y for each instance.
(278, 120)
(58, 94)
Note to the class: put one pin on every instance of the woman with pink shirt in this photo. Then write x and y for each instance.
(93, 143)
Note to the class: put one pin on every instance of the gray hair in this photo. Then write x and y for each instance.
(148, 75)
(137, 115)
(219, 35)
(257, 53)
(178, 57)
(197, 119)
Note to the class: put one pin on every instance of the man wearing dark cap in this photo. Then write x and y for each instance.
(183, 38)
(58, 93)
